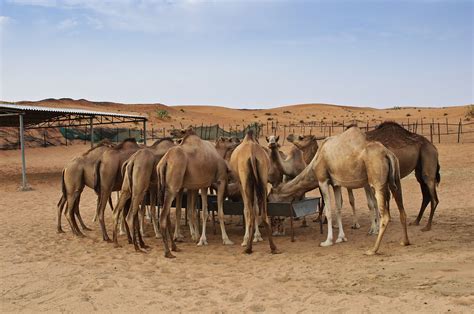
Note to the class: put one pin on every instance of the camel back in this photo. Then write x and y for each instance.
(104, 142)
(391, 134)
(124, 142)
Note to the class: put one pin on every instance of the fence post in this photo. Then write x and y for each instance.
(459, 131)
(65, 134)
(431, 132)
(439, 134)
(421, 126)
(447, 130)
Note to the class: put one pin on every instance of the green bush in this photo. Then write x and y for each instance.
(163, 114)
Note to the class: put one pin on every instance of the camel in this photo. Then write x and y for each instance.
(224, 147)
(108, 176)
(250, 164)
(194, 164)
(140, 178)
(414, 152)
(77, 174)
(308, 144)
(294, 162)
(349, 160)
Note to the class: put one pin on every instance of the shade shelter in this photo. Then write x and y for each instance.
(35, 117)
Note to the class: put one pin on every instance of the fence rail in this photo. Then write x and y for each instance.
(436, 132)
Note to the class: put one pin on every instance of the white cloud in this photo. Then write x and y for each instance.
(4, 20)
(67, 24)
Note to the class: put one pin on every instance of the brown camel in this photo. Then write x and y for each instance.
(108, 176)
(192, 165)
(250, 164)
(224, 147)
(77, 174)
(139, 178)
(349, 160)
(294, 162)
(308, 144)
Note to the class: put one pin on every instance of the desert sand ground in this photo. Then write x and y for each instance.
(45, 271)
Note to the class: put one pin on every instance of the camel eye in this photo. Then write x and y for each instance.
(300, 137)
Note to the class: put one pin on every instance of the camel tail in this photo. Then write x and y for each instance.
(161, 173)
(97, 177)
(129, 172)
(394, 171)
(438, 175)
(256, 181)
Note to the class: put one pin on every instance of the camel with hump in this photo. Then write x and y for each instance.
(224, 147)
(193, 165)
(139, 179)
(77, 174)
(250, 164)
(349, 160)
(108, 176)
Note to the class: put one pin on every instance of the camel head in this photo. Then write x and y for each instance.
(277, 195)
(272, 141)
(226, 145)
(301, 141)
(180, 133)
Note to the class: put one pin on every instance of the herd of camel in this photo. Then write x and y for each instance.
(242, 170)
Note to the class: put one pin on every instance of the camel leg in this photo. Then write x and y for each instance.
(117, 214)
(153, 215)
(78, 215)
(104, 196)
(372, 204)
(141, 216)
(266, 223)
(164, 217)
(71, 204)
(191, 207)
(251, 223)
(338, 197)
(247, 225)
(380, 194)
(204, 215)
(257, 236)
(355, 221)
(324, 188)
(397, 195)
(220, 212)
(426, 199)
(61, 205)
(132, 219)
(110, 202)
(434, 203)
(178, 236)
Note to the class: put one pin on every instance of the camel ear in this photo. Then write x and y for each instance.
(266, 137)
(277, 138)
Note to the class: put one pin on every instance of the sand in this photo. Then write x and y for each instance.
(45, 271)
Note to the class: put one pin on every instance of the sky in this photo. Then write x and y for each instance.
(241, 54)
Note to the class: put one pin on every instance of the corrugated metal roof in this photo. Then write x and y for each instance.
(67, 111)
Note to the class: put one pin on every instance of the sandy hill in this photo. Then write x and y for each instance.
(161, 115)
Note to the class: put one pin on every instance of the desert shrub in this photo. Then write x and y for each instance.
(182, 110)
(269, 119)
(408, 114)
(301, 121)
(268, 113)
(286, 111)
(396, 108)
(163, 114)
(445, 114)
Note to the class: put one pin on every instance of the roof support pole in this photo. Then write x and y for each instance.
(24, 184)
(91, 125)
(144, 132)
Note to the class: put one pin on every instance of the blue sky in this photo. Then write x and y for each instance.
(252, 54)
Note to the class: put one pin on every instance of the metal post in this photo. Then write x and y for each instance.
(24, 184)
(144, 132)
(91, 125)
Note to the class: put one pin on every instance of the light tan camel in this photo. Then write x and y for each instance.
(250, 164)
(294, 162)
(193, 165)
(77, 174)
(349, 160)
(224, 147)
(308, 144)
(139, 178)
(108, 176)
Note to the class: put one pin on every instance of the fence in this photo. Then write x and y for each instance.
(436, 132)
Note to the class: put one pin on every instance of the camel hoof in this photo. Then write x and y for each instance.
(276, 251)
(81, 235)
(414, 223)
(169, 255)
(227, 242)
(248, 251)
(116, 245)
(326, 243)
(257, 239)
(141, 250)
(355, 226)
(370, 252)
(108, 240)
(175, 249)
(202, 242)
(427, 228)
(405, 243)
(341, 239)
(59, 231)
(373, 231)
(179, 238)
(158, 236)
(86, 228)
